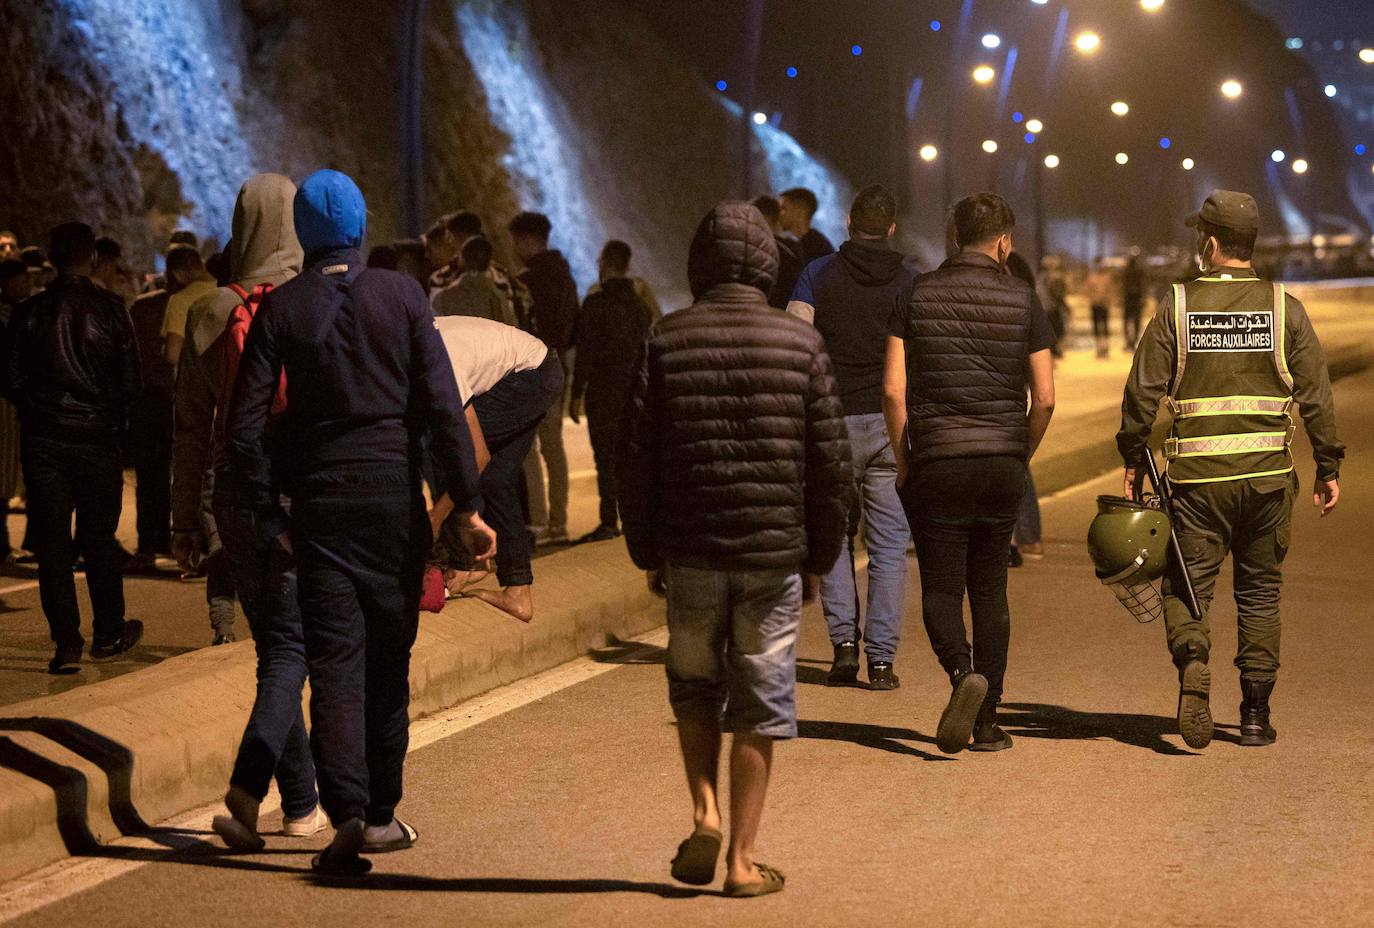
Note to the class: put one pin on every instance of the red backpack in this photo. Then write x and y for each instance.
(236, 333)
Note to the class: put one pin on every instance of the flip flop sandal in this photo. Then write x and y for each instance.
(695, 863)
(236, 835)
(772, 882)
(404, 843)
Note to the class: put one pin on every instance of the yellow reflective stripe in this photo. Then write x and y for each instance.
(1281, 334)
(1218, 445)
(1262, 473)
(1228, 280)
(1180, 340)
(1232, 406)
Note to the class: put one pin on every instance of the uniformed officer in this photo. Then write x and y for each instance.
(1232, 355)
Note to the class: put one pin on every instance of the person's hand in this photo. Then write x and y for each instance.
(1325, 495)
(284, 539)
(575, 409)
(1128, 486)
(436, 522)
(811, 587)
(477, 537)
(657, 586)
(185, 548)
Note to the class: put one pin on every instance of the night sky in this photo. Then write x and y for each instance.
(1323, 19)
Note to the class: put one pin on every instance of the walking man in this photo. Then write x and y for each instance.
(734, 478)
(367, 374)
(1231, 354)
(71, 368)
(849, 297)
(796, 208)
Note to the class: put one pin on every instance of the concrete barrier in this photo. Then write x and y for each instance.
(81, 768)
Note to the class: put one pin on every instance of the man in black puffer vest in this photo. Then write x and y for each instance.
(959, 350)
(735, 476)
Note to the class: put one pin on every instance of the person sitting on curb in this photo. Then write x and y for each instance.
(507, 380)
(735, 476)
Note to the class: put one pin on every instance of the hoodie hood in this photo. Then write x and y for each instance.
(264, 246)
(871, 264)
(330, 213)
(733, 245)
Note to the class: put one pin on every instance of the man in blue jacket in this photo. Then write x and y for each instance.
(366, 375)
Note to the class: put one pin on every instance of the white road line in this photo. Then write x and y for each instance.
(68, 877)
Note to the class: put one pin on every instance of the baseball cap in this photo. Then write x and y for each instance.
(1228, 209)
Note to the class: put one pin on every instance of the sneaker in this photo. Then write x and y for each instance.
(988, 737)
(66, 661)
(551, 537)
(1194, 711)
(600, 533)
(133, 631)
(311, 824)
(845, 670)
(1033, 551)
(956, 722)
(881, 677)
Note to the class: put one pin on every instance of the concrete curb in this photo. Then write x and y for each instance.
(111, 758)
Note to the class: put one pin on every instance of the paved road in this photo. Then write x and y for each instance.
(565, 809)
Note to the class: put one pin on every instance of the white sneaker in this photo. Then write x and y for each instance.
(312, 824)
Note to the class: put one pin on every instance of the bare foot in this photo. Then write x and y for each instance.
(459, 581)
(517, 601)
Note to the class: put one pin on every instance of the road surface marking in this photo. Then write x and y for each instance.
(66, 878)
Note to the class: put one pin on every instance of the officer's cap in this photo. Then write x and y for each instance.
(1228, 209)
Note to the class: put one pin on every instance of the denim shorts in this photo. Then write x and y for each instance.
(732, 640)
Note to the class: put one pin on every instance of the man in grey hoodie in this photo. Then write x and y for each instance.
(264, 253)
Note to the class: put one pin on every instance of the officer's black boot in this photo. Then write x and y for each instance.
(1194, 688)
(845, 670)
(1255, 730)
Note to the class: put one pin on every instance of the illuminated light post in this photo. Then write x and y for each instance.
(1051, 161)
(1367, 55)
(1232, 89)
(1034, 126)
(760, 118)
(1189, 164)
(1120, 108)
(1122, 158)
(984, 74)
(990, 146)
(1152, 6)
(1088, 42)
(929, 153)
(1300, 166)
(992, 40)
(1278, 155)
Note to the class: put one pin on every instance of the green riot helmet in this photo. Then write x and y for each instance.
(1129, 544)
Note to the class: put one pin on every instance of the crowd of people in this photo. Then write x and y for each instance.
(287, 402)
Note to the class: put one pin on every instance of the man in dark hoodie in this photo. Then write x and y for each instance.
(849, 297)
(610, 333)
(553, 320)
(367, 374)
(734, 478)
(264, 254)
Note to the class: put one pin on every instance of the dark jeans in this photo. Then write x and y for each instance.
(510, 414)
(1130, 317)
(1101, 323)
(275, 741)
(61, 477)
(604, 413)
(1028, 516)
(361, 545)
(220, 581)
(962, 511)
(150, 447)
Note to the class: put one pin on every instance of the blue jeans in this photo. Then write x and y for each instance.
(886, 536)
(732, 647)
(275, 742)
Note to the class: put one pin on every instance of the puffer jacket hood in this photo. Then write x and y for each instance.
(871, 264)
(733, 245)
(330, 213)
(264, 245)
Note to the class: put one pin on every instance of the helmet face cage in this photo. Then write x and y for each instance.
(1140, 597)
(1127, 541)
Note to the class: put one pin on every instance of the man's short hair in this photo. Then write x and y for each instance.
(803, 196)
(411, 248)
(11, 268)
(464, 224)
(439, 229)
(1236, 244)
(72, 244)
(617, 254)
(981, 218)
(6, 233)
(183, 260)
(536, 225)
(477, 253)
(769, 207)
(382, 256)
(873, 211)
(183, 237)
(32, 255)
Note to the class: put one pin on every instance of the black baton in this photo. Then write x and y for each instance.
(1189, 595)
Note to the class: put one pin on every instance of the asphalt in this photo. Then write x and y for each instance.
(565, 810)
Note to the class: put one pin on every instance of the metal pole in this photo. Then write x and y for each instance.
(412, 118)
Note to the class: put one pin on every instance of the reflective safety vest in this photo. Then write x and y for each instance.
(1232, 391)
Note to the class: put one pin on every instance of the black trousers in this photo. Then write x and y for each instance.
(361, 545)
(62, 477)
(962, 512)
(605, 408)
(150, 452)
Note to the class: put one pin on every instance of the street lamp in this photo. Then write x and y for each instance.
(1088, 42)
(1034, 126)
(1120, 108)
(1367, 55)
(1122, 157)
(990, 146)
(760, 118)
(1189, 164)
(1232, 89)
(1277, 155)
(984, 74)
(992, 40)
(929, 153)
(1152, 6)
(1300, 166)
(1051, 161)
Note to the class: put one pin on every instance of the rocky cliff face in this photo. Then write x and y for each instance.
(139, 115)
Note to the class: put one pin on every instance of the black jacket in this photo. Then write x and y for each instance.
(611, 329)
(967, 329)
(71, 363)
(734, 454)
(553, 313)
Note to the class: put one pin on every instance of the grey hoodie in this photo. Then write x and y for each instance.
(263, 250)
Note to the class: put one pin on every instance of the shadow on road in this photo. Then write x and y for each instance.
(620, 651)
(879, 737)
(1035, 720)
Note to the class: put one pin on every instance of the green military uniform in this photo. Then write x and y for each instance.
(1233, 356)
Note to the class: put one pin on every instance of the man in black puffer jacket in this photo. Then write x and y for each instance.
(735, 476)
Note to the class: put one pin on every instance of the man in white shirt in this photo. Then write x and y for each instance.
(507, 380)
